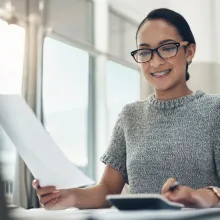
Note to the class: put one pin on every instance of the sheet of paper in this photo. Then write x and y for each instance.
(43, 157)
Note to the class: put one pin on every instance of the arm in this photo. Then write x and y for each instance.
(112, 182)
(200, 198)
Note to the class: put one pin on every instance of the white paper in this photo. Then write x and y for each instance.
(43, 157)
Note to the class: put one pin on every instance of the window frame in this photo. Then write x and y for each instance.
(89, 169)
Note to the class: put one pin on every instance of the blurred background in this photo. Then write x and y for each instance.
(70, 60)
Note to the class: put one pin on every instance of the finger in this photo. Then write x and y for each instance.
(35, 184)
(174, 187)
(166, 186)
(51, 205)
(173, 198)
(48, 198)
(181, 195)
(167, 195)
(178, 193)
(46, 190)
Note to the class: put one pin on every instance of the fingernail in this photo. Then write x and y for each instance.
(174, 186)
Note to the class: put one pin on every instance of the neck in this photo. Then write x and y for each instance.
(173, 93)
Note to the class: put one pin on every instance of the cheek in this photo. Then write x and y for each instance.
(144, 68)
(179, 67)
(179, 64)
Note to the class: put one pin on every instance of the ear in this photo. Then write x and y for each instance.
(190, 52)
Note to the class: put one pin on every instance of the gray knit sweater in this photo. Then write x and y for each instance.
(154, 140)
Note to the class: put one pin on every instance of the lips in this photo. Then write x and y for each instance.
(161, 73)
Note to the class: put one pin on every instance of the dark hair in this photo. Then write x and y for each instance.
(175, 19)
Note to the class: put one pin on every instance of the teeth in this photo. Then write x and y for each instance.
(161, 73)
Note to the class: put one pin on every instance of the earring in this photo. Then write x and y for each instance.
(189, 62)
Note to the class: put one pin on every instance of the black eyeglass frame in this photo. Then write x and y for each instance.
(178, 44)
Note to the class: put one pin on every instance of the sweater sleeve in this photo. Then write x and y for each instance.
(216, 139)
(115, 155)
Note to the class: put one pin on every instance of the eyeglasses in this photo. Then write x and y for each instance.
(167, 50)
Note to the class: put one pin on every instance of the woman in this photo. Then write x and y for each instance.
(173, 133)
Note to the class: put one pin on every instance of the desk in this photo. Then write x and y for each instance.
(110, 214)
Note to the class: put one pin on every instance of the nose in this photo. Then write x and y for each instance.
(156, 60)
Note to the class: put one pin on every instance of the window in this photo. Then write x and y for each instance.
(130, 41)
(24, 7)
(75, 19)
(12, 40)
(8, 157)
(122, 36)
(123, 87)
(116, 39)
(65, 98)
(72, 19)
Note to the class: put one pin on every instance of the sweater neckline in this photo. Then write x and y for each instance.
(174, 103)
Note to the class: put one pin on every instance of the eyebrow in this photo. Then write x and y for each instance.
(160, 43)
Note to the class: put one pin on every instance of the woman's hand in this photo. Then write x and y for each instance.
(201, 198)
(52, 199)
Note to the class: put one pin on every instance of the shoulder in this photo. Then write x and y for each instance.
(211, 100)
(211, 104)
(132, 112)
(137, 107)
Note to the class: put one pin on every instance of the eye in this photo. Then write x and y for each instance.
(168, 48)
(144, 53)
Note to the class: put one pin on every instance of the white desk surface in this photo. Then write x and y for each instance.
(107, 214)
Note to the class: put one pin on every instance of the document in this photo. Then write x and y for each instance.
(42, 156)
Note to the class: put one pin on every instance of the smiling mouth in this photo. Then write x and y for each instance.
(161, 74)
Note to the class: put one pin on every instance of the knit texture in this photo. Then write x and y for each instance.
(154, 140)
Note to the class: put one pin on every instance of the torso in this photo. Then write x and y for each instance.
(170, 142)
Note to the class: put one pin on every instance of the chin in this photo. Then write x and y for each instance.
(164, 87)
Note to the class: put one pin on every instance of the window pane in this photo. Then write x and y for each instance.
(22, 7)
(123, 86)
(12, 40)
(122, 36)
(130, 41)
(65, 98)
(115, 39)
(71, 19)
(7, 156)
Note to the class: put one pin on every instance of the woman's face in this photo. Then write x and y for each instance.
(153, 34)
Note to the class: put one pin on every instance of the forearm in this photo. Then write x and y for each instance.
(91, 198)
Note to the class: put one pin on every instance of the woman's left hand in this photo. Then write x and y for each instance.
(201, 198)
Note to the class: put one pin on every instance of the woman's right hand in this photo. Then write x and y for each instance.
(52, 199)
